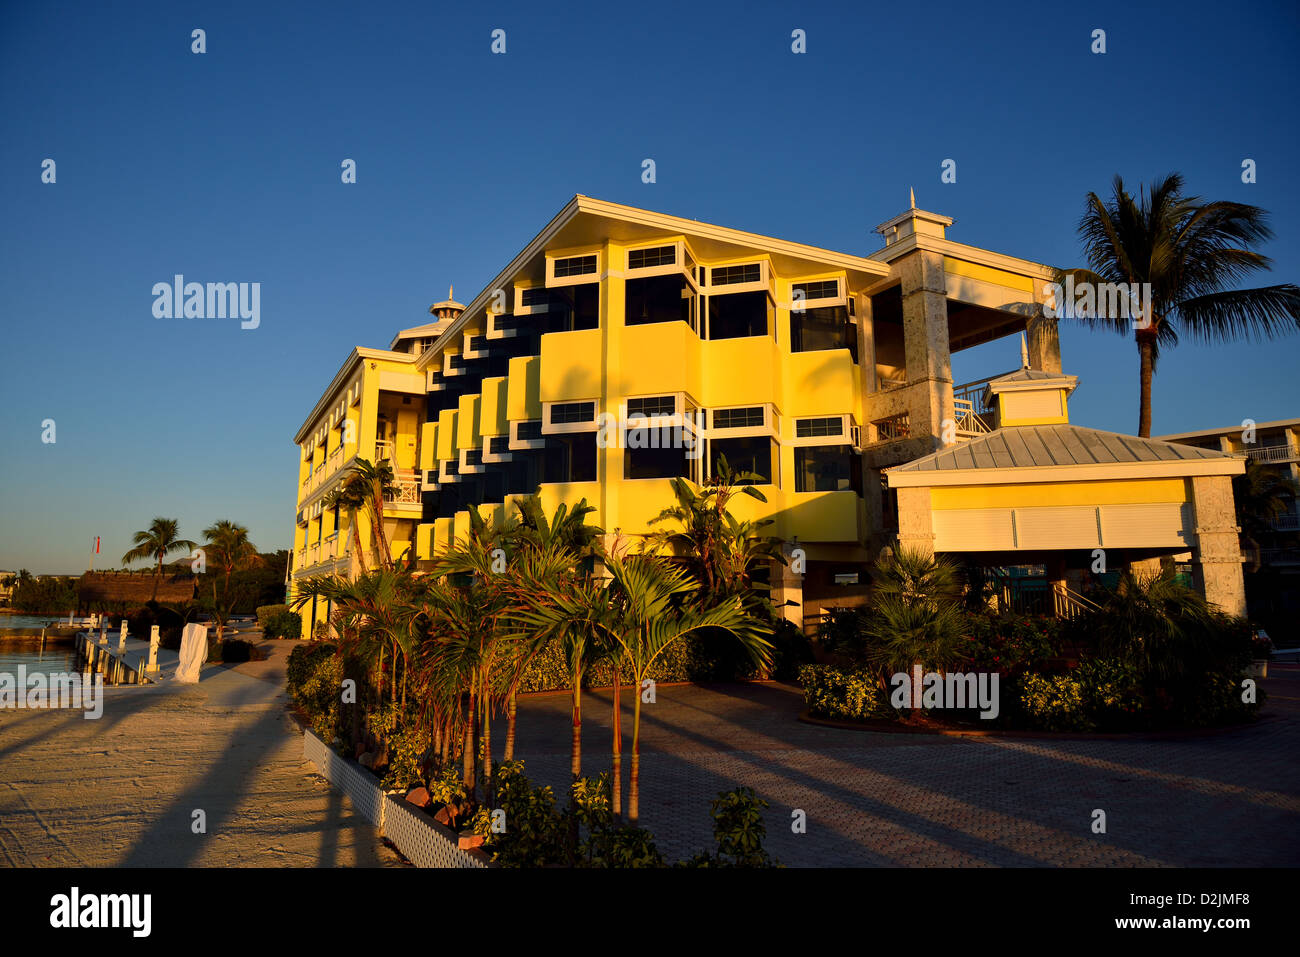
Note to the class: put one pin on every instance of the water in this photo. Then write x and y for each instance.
(55, 659)
(9, 622)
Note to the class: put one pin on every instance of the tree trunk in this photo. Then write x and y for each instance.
(617, 761)
(380, 679)
(356, 541)
(468, 763)
(575, 755)
(487, 740)
(509, 754)
(1145, 371)
(634, 781)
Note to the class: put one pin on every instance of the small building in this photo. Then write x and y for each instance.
(1038, 490)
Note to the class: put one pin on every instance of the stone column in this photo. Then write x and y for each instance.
(925, 341)
(1216, 564)
(915, 528)
(787, 585)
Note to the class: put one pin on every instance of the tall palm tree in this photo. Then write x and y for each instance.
(156, 543)
(229, 550)
(1190, 253)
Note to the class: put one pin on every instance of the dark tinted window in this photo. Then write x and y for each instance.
(824, 289)
(575, 266)
(657, 405)
(738, 418)
(728, 275)
(573, 412)
(657, 299)
(737, 316)
(823, 468)
(659, 256)
(807, 428)
(748, 454)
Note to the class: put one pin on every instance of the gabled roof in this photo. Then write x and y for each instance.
(1053, 449)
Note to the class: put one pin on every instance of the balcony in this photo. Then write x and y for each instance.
(384, 450)
(408, 488)
(1272, 453)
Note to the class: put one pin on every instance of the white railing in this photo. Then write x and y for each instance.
(1070, 604)
(408, 489)
(335, 460)
(313, 553)
(383, 450)
(969, 422)
(1272, 453)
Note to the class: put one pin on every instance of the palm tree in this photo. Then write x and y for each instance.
(915, 618)
(648, 609)
(350, 495)
(159, 541)
(1262, 496)
(377, 483)
(229, 549)
(1189, 253)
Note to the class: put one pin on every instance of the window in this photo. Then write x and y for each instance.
(846, 578)
(657, 256)
(658, 299)
(529, 431)
(500, 444)
(730, 275)
(749, 418)
(824, 289)
(826, 327)
(575, 266)
(826, 468)
(751, 453)
(574, 307)
(473, 458)
(808, 428)
(536, 296)
(656, 405)
(566, 412)
(656, 463)
(570, 458)
(738, 315)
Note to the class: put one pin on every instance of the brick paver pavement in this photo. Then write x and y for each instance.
(1228, 798)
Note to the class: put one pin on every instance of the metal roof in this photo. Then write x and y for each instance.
(1047, 446)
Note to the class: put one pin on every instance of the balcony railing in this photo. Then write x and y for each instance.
(1272, 453)
(335, 461)
(383, 450)
(969, 422)
(408, 489)
(973, 392)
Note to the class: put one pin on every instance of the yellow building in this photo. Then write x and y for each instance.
(818, 370)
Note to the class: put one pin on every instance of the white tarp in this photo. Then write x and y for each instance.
(194, 651)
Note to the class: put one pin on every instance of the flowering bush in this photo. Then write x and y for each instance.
(841, 693)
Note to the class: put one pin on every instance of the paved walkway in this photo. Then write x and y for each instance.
(122, 790)
(891, 799)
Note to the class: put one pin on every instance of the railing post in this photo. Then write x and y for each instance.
(153, 650)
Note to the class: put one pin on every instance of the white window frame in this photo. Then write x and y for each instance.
(849, 435)
(517, 443)
(553, 280)
(560, 428)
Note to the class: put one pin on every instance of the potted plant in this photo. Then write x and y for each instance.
(1261, 648)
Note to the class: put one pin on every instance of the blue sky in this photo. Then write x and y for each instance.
(225, 167)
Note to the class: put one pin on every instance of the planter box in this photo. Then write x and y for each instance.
(422, 840)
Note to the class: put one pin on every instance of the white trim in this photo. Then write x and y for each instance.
(1114, 471)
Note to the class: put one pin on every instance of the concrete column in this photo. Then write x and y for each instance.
(1044, 344)
(153, 650)
(925, 341)
(121, 641)
(787, 585)
(1216, 565)
(915, 528)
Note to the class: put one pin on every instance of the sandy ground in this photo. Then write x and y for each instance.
(122, 790)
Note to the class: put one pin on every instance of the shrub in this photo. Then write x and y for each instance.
(533, 835)
(234, 650)
(831, 692)
(170, 625)
(1009, 643)
(1054, 702)
(279, 621)
(1112, 693)
(314, 676)
(739, 831)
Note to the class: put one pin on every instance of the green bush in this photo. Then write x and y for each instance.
(314, 678)
(233, 650)
(739, 831)
(1054, 702)
(279, 621)
(855, 694)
